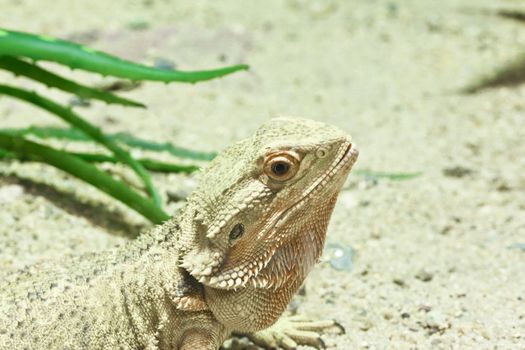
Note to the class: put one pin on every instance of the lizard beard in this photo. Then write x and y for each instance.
(294, 259)
(267, 293)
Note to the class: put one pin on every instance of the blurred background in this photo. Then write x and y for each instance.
(431, 262)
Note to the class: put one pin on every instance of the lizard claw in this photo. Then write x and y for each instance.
(289, 332)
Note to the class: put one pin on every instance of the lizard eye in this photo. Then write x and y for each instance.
(281, 166)
(236, 232)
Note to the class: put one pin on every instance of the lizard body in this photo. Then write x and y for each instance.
(230, 261)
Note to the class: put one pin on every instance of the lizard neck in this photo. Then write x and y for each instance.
(149, 283)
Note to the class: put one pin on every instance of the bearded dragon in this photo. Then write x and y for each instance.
(229, 262)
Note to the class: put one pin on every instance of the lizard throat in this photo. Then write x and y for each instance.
(257, 272)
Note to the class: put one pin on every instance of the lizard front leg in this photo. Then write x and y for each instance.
(290, 331)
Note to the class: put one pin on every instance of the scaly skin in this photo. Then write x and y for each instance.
(229, 262)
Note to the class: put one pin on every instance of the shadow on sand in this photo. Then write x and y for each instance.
(112, 221)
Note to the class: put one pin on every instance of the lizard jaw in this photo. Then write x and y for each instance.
(240, 276)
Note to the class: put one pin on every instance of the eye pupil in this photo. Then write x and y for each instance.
(280, 168)
(237, 231)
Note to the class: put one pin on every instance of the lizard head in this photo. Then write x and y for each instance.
(260, 213)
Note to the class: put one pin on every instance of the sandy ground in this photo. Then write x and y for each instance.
(437, 260)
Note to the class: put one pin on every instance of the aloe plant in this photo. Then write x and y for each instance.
(45, 48)
(20, 53)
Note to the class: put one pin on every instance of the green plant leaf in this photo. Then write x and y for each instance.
(150, 164)
(385, 175)
(130, 140)
(83, 170)
(39, 47)
(50, 132)
(6, 154)
(32, 71)
(136, 142)
(95, 133)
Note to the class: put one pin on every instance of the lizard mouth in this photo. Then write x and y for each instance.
(348, 158)
(239, 276)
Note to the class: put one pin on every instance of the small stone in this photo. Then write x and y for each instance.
(458, 314)
(485, 334)
(446, 229)
(339, 257)
(400, 282)
(436, 322)
(366, 325)
(436, 342)
(77, 101)
(425, 307)
(457, 171)
(405, 315)
(364, 345)
(164, 63)
(424, 276)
